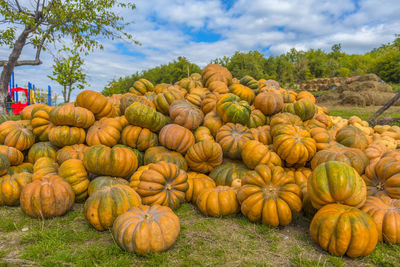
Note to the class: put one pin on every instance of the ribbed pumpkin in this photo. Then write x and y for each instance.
(137, 137)
(232, 137)
(218, 201)
(44, 166)
(262, 134)
(163, 184)
(69, 115)
(209, 103)
(386, 214)
(324, 138)
(230, 108)
(288, 96)
(244, 92)
(4, 164)
(11, 187)
(17, 134)
(229, 173)
(128, 98)
(141, 115)
(306, 95)
(304, 108)
(116, 161)
(197, 182)
(162, 101)
(352, 156)
(134, 180)
(41, 124)
(106, 131)
(41, 149)
(189, 83)
(160, 153)
(282, 120)
(213, 122)
(186, 114)
(14, 155)
(23, 167)
(218, 87)
(214, 72)
(102, 181)
(66, 136)
(351, 136)
(146, 229)
(141, 86)
(71, 152)
(374, 151)
(255, 153)
(269, 196)
(256, 119)
(196, 96)
(269, 103)
(202, 133)
(294, 145)
(75, 174)
(26, 113)
(300, 175)
(336, 182)
(250, 82)
(95, 102)
(383, 177)
(176, 137)
(340, 229)
(107, 203)
(54, 194)
(204, 156)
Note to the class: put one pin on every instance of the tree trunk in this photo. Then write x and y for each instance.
(64, 92)
(69, 92)
(372, 120)
(8, 68)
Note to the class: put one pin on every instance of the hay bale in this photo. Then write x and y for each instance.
(353, 99)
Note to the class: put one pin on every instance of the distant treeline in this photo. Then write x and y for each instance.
(290, 68)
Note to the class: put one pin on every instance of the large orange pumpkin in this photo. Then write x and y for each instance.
(107, 203)
(186, 114)
(204, 156)
(75, 174)
(54, 194)
(164, 184)
(14, 155)
(269, 196)
(71, 152)
(96, 103)
(255, 153)
(176, 137)
(106, 131)
(386, 213)
(17, 134)
(244, 92)
(341, 229)
(209, 103)
(262, 134)
(11, 187)
(41, 124)
(218, 201)
(69, 115)
(197, 182)
(232, 137)
(269, 103)
(146, 229)
(215, 72)
(66, 136)
(137, 137)
(336, 182)
(213, 122)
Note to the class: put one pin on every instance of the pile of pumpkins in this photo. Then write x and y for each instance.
(223, 144)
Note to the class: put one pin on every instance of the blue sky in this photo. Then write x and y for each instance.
(202, 30)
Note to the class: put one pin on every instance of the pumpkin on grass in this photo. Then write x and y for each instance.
(197, 182)
(270, 196)
(341, 229)
(102, 181)
(11, 187)
(107, 203)
(163, 184)
(146, 229)
(336, 182)
(14, 155)
(218, 201)
(204, 156)
(75, 174)
(54, 194)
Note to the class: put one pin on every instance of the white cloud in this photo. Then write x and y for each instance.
(167, 28)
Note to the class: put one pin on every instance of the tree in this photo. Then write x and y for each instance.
(67, 71)
(43, 22)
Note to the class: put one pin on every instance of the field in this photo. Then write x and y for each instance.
(228, 241)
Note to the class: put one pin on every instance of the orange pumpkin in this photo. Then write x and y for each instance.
(269, 196)
(26, 113)
(44, 166)
(162, 101)
(255, 153)
(186, 114)
(209, 103)
(244, 92)
(324, 138)
(204, 156)
(160, 153)
(137, 137)
(54, 194)
(11, 187)
(269, 103)
(163, 184)
(257, 118)
(146, 229)
(41, 124)
(197, 182)
(214, 72)
(232, 137)
(75, 174)
(340, 229)
(374, 151)
(69, 115)
(351, 136)
(218, 87)
(218, 201)
(66, 136)
(176, 137)
(386, 214)
(306, 95)
(14, 155)
(71, 152)
(141, 86)
(282, 119)
(135, 178)
(102, 181)
(106, 131)
(202, 134)
(96, 103)
(262, 134)
(17, 134)
(128, 98)
(213, 122)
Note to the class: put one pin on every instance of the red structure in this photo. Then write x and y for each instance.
(18, 106)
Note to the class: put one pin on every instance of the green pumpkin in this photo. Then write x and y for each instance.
(249, 82)
(303, 108)
(351, 136)
(42, 149)
(4, 164)
(141, 115)
(228, 172)
(141, 86)
(23, 167)
(257, 118)
(231, 108)
(160, 153)
(102, 181)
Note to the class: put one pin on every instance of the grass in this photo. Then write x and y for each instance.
(229, 241)
(364, 113)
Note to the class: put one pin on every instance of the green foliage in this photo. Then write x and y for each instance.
(68, 72)
(169, 73)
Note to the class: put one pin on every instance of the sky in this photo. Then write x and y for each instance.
(202, 30)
